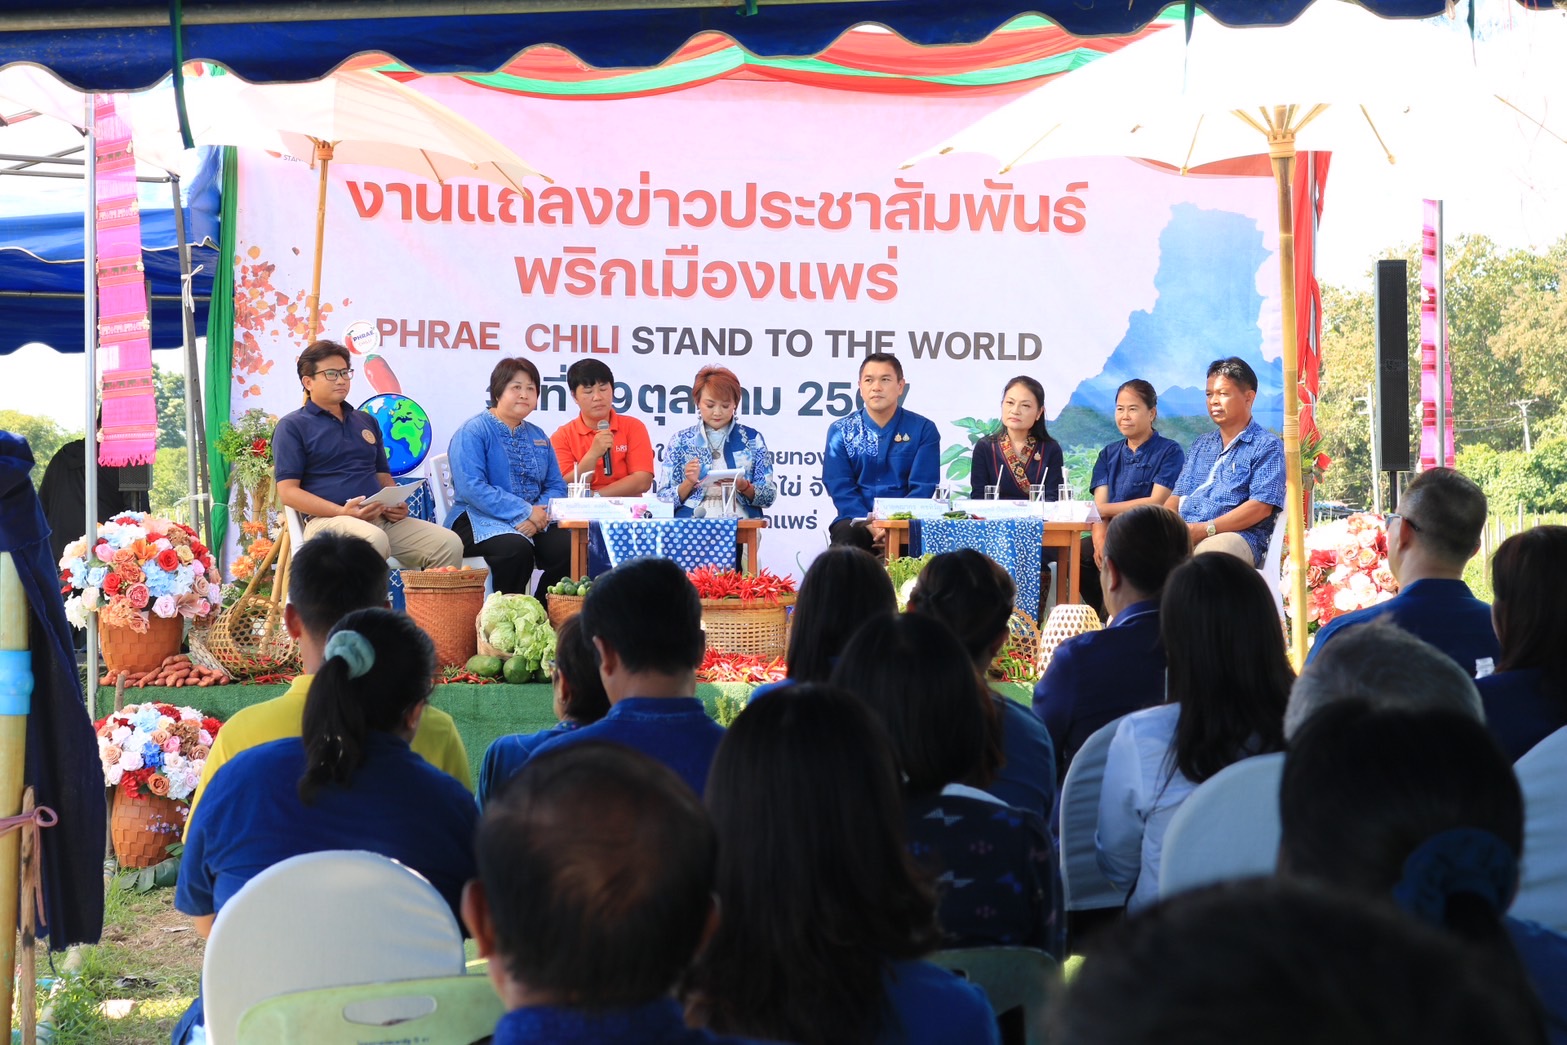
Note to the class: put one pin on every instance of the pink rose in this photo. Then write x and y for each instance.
(199, 585)
(172, 745)
(203, 607)
(138, 596)
(103, 553)
(165, 606)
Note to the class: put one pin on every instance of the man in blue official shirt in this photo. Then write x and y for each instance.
(327, 459)
(880, 450)
(1432, 536)
(644, 620)
(1232, 484)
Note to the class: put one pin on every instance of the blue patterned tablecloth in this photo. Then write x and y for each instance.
(420, 506)
(1014, 543)
(689, 542)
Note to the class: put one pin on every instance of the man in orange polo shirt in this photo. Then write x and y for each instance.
(581, 445)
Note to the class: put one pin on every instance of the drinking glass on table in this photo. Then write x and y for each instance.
(1036, 492)
(992, 492)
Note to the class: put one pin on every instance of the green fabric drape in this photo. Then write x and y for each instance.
(220, 349)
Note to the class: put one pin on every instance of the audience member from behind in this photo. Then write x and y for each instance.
(1095, 678)
(1422, 808)
(332, 575)
(1286, 964)
(824, 916)
(1435, 532)
(644, 620)
(843, 588)
(995, 863)
(1526, 701)
(1229, 681)
(349, 781)
(580, 701)
(595, 889)
(1385, 666)
(972, 595)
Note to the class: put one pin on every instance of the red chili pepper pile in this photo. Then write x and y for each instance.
(765, 586)
(455, 674)
(740, 667)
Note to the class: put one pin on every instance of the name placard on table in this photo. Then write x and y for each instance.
(918, 507)
(606, 509)
(1050, 511)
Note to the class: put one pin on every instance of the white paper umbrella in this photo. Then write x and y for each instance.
(1337, 79)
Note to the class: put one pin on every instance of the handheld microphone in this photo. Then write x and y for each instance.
(608, 468)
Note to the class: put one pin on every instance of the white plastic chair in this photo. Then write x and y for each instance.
(1542, 774)
(325, 919)
(1272, 562)
(438, 473)
(1227, 828)
(296, 538)
(1084, 885)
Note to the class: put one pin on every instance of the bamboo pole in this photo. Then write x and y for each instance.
(1281, 150)
(16, 693)
(323, 158)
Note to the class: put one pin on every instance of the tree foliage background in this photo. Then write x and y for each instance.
(1507, 339)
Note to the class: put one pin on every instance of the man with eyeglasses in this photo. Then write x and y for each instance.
(1430, 540)
(328, 459)
(1232, 485)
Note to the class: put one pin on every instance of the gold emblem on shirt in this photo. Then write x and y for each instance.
(368, 437)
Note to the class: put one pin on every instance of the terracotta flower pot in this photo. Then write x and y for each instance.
(143, 828)
(136, 652)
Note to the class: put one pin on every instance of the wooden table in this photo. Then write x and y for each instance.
(1064, 537)
(749, 538)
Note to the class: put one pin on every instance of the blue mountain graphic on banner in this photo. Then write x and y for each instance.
(1207, 308)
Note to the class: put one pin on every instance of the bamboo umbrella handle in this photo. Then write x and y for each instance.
(323, 158)
(16, 689)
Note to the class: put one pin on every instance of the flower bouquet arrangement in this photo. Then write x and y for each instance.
(1346, 569)
(246, 444)
(135, 567)
(155, 749)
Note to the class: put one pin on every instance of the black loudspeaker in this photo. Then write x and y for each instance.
(1392, 452)
(135, 477)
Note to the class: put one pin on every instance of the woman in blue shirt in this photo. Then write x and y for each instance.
(718, 443)
(825, 918)
(504, 472)
(1020, 453)
(349, 781)
(1140, 469)
(580, 700)
(1526, 699)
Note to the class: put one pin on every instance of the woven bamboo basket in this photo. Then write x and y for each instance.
(446, 605)
(562, 608)
(249, 638)
(1065, 621)
(747, 626)
(140, 651)
(1022, 640)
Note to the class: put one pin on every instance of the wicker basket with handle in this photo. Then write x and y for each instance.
(446, 604)
(747, 626)
(249, 638)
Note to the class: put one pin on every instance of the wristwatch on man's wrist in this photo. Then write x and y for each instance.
(1212, 529)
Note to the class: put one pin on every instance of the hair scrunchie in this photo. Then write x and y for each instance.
(354, 649)
(1458, 860)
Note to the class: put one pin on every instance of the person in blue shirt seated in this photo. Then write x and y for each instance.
(349, 781)
(825, 919)
(1232, 483)
(580, 701)
(843, 588)
(328, 460)
(1387, 667)
(1098, 676)
(1420, 809)
(1228, 684)
(1526, 701)
(1140, 469)
(880, 450)
(719, 442)
(1020, 454)
(594, 891)
(644, 620)
(1287, 963)
(504, 473)
(972, 595)
(1430, 539)
(996, 863)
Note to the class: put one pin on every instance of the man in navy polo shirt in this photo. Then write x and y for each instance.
(1232, 484)
(328, 460)
(1434, 534)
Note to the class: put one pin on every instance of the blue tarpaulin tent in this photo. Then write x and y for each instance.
(131, 44)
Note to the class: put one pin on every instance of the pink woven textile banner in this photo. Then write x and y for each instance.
(130, 413)
(1429, 325)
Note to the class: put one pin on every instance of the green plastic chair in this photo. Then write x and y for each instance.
(453, 1010)
(1017, 980)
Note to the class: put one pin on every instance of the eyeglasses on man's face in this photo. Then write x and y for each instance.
(1407, 521)
(336, 375)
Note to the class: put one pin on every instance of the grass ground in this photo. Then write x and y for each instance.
(131, 988)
